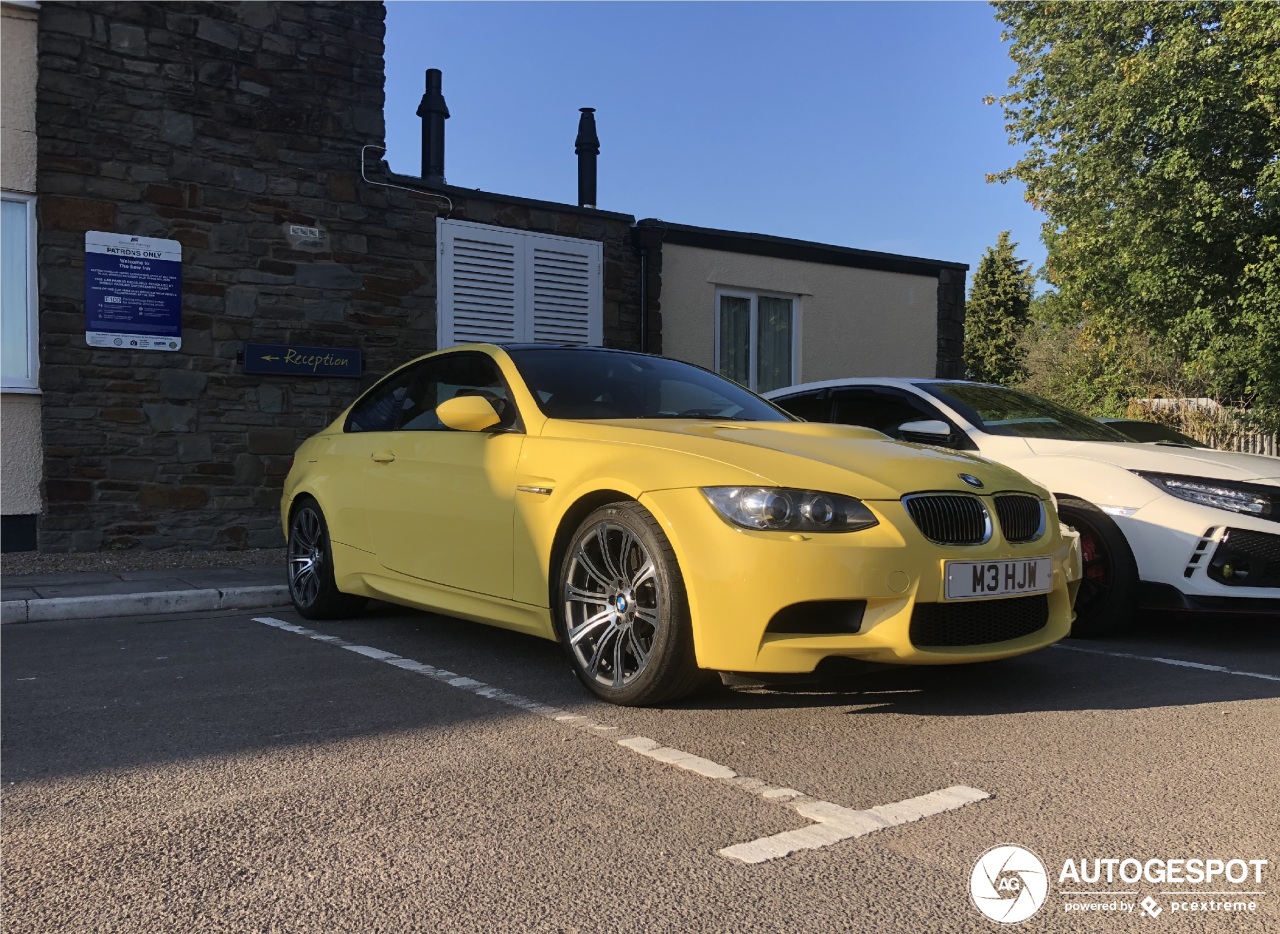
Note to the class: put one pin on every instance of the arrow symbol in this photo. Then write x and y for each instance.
(269, 357)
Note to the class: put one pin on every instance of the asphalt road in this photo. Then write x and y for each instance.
(215, 773)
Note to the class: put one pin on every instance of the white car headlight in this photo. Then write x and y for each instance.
(784, 510)
(1249, 499)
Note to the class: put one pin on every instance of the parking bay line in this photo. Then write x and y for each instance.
(831, 823)
(1201, 666)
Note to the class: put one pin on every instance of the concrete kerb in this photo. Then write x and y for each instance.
(142, 604)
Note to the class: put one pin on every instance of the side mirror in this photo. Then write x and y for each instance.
(930, 431)
(467, 413)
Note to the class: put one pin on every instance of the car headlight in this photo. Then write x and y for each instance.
(783, 510)
(1250, 499)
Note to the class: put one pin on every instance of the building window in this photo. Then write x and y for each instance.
(18, 335)
(755, 338)
(499, 284)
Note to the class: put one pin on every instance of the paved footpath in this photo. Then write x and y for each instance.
(95, 594)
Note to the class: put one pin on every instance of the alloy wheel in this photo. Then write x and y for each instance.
(612, 598)
(307, 547)
(1099, 575)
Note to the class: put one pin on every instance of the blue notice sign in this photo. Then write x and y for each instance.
(296, 360)
(132, 292)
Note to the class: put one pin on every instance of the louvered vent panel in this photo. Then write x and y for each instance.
(485, 291)
(565, 296)
(510, 286)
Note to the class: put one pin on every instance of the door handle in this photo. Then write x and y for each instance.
(383, 457)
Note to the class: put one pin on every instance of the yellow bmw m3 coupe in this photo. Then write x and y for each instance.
(662, 523)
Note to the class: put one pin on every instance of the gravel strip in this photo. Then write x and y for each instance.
(30, 562)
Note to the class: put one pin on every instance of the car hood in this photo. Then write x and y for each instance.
(809, 455)
(1191, 462)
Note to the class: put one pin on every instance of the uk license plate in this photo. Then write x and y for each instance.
(970, 580)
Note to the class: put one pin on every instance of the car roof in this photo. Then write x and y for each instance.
(900, 382)
(582, 347)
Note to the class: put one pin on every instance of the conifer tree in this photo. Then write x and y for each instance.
(996, 315)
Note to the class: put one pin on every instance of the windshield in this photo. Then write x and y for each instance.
(1148, 432)
(1000, 411)
(595, 384)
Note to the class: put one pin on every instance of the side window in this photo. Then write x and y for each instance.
(380, 409)
(811, 406)
(450, 377)
(879, 409)
(755, 339)
(19, 339)
(407, 401)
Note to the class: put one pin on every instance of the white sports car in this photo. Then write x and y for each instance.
(1161, 525)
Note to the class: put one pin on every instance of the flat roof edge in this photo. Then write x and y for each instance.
(785, 248)
(413, 183)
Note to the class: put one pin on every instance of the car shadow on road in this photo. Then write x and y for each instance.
(81, 698)
(1160, 661)
(1066, 678)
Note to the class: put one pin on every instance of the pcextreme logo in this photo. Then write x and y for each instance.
(1008, 884)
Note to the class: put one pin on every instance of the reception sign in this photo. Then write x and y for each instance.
(132, 292)
(297, 360)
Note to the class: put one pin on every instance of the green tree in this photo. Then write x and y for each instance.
(995, 314)
(1152, 135)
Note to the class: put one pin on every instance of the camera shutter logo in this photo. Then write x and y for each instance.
(1008, 884)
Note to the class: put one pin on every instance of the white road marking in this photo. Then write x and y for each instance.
(831, 822)
(834, 823)
(1201, 666)
(375, 654)
(678, 758)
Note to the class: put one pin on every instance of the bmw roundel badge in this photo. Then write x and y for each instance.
(970, 479)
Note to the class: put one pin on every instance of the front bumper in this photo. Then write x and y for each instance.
(737, 581)
(1185, 546)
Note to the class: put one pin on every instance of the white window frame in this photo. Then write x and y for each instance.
(754, 296)
(526, 307)
(30, 384)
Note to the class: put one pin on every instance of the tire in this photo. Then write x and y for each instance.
(312, 588)
(621, 612)
(1108, 593)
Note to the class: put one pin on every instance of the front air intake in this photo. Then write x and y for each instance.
(980, 622)
(950, 518)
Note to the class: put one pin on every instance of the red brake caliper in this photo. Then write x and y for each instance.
(1094, 567)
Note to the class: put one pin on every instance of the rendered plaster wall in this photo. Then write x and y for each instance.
(852, 322)
(18, 103)
(20, 474)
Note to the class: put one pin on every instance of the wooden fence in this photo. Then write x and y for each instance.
(1246, 443)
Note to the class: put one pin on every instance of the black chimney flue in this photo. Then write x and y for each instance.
(434, 113)
(587, 146)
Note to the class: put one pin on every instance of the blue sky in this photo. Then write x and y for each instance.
(858, 124)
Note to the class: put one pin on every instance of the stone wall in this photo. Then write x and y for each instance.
(216, 124)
